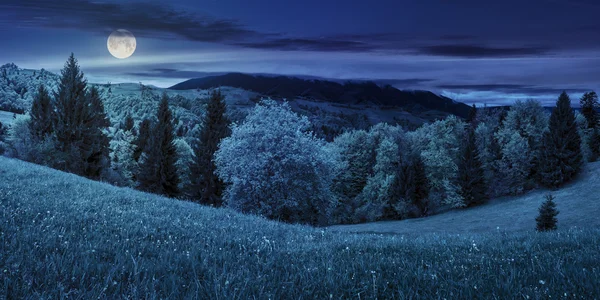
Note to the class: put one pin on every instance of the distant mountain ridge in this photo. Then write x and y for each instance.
(352, 92)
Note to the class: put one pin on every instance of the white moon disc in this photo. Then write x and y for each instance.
(121, 43)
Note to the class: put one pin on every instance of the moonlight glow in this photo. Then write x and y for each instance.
(121, 43)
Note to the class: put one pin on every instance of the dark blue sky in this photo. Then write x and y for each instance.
(473, 51)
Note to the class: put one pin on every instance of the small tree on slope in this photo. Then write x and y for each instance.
(158, 173)
(206, 187)
(560, 157)
(546, 220)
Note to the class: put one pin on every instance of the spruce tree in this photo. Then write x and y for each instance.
(79, 121)
(546, 220)
(206, 187)
(158, 173)
(472, 118)
(41, 113)
(127, 123)
(142, 139)
(560, 155)
(471, 177)
(96, 143)
(589, 109)
(589, 106)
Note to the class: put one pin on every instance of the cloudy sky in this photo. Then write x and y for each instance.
(474, 51)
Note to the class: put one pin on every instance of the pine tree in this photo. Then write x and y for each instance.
(158, 173)
(96, 152)
(206, 187)
(471, 177)
(546, 220)
(42, 111)
(412, 184)
(142, 139)
(472, 118)
(128, 123)
(79, 121)
(560, 156)
(589, 106)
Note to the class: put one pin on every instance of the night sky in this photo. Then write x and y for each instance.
(473, 51)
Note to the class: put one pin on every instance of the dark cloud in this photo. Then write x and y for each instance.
(403, 82)
(163, 22)
(171, 73)
(478, 51)
(150, 19)
(326, 45)
(512, 89)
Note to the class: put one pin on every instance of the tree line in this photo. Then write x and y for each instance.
(272, 164)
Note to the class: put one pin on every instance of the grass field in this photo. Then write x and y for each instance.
(64, 237)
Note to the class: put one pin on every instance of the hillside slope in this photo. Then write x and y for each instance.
(62, 236)
(351, 93)
(578, 203)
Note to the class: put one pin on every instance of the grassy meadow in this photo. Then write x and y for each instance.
(65, 237)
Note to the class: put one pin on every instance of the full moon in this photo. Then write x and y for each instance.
(121, 43)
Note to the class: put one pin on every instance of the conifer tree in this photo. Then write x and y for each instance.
(472, 118)
(142, 139)
(41, 113)
(560, 156)
(412, 183)
(206, 187)
(158, 173)
(128, 123)
(589, 106)
(79, 121)
(471, 177)
(96, 150)
(589, 109)
(546, 220)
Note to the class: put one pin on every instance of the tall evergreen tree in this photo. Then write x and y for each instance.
(546, 220)
(471, 177)
(560, 156)
(206, 187)
(128, 123)
(41, 113)
(96, 152)
(472, 118)
(158, 173)
(79, 121)
(589, 109)
(412, 184)
(142, 139)
(589, 106)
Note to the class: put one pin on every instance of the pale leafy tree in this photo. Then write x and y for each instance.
(121, 156)
(530, 121)
(276, 168)
(515, 165)
(355, 167)
(379, 189)
(439, 144)
(368, 164)
(185, 157)
(23, 145)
